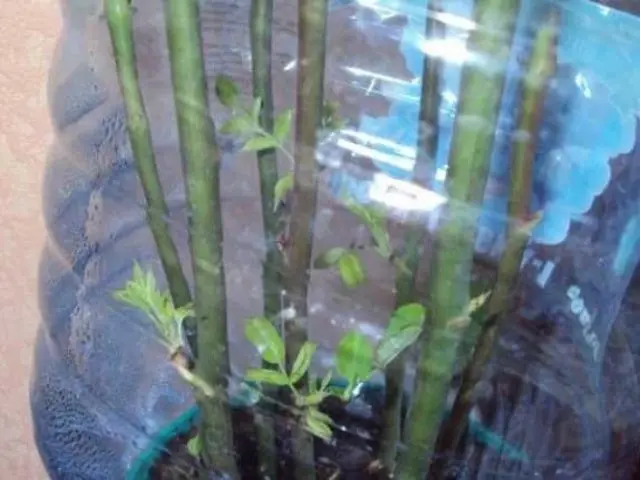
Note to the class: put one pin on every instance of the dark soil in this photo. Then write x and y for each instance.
(351, 454)
(176, 463)
(349, 457)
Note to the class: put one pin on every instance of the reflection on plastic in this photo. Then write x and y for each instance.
(572, 347)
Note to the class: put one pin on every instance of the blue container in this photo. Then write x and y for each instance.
(103, 393)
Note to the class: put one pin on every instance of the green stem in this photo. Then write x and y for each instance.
(201, 163)
(415, 236)
(119, 18)
(311, 41)
(485, 274)
(540, 69)
(481, 92)
(312, 29)
(261, 24)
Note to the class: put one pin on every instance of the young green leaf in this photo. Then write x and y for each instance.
(303, 361)
(283, 186)
(478, 302)
(354, 357)
(141, 292)
(477, 308)
(130, 297)
(401, 266)
(411, 315)
(138, 276)
(180, 313)
(318, 424)
(319, 429)
(257, 144)
(351, 270)
(330, 118)
(282, 125)
(313, 383)
(325, 381)
(264, 336)
(227, 91)
(358, 210)
(238, 125)
(403, 329)
(314, 399)
(368, 214)
(381, 239)
(194, 446)
(323, 417)
(262, 375)
(329, 258)
(393, 345)
(374, 219)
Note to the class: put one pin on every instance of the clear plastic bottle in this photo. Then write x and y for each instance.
(563, 384)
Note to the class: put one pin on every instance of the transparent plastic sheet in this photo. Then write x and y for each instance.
(562, 386)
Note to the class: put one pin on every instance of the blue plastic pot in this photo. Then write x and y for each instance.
(103, 394)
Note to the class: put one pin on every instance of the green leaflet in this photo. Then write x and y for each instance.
(393, 345)
(264, 336)
(318, 423)
(381, 239)
(283, 186)
(351, 270)
(325, 381)
(354, 357)
(478, 301)
(226, 90)
(375, 221)
(241, 124)
(262, 375)
(141, 292)
(315, 398)
(303, 361)
(411, 315)
(329, 258)
(330, 117)
(282, 125)
(194, 446)
(256, 144)
(404, 328)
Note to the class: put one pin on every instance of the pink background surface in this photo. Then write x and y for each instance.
(28, 32)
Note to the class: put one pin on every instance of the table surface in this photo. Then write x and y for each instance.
(28, 33)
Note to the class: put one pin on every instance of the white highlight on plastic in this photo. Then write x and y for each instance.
(397, 161)
(604, 10)
(361, 72)
(449, 96)
(455, 21)
(383, 11)
(583, 85)
(579, 309)
(453, 50)
(441, 174)
(367, 138)
(545, 274)
(403, 195)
